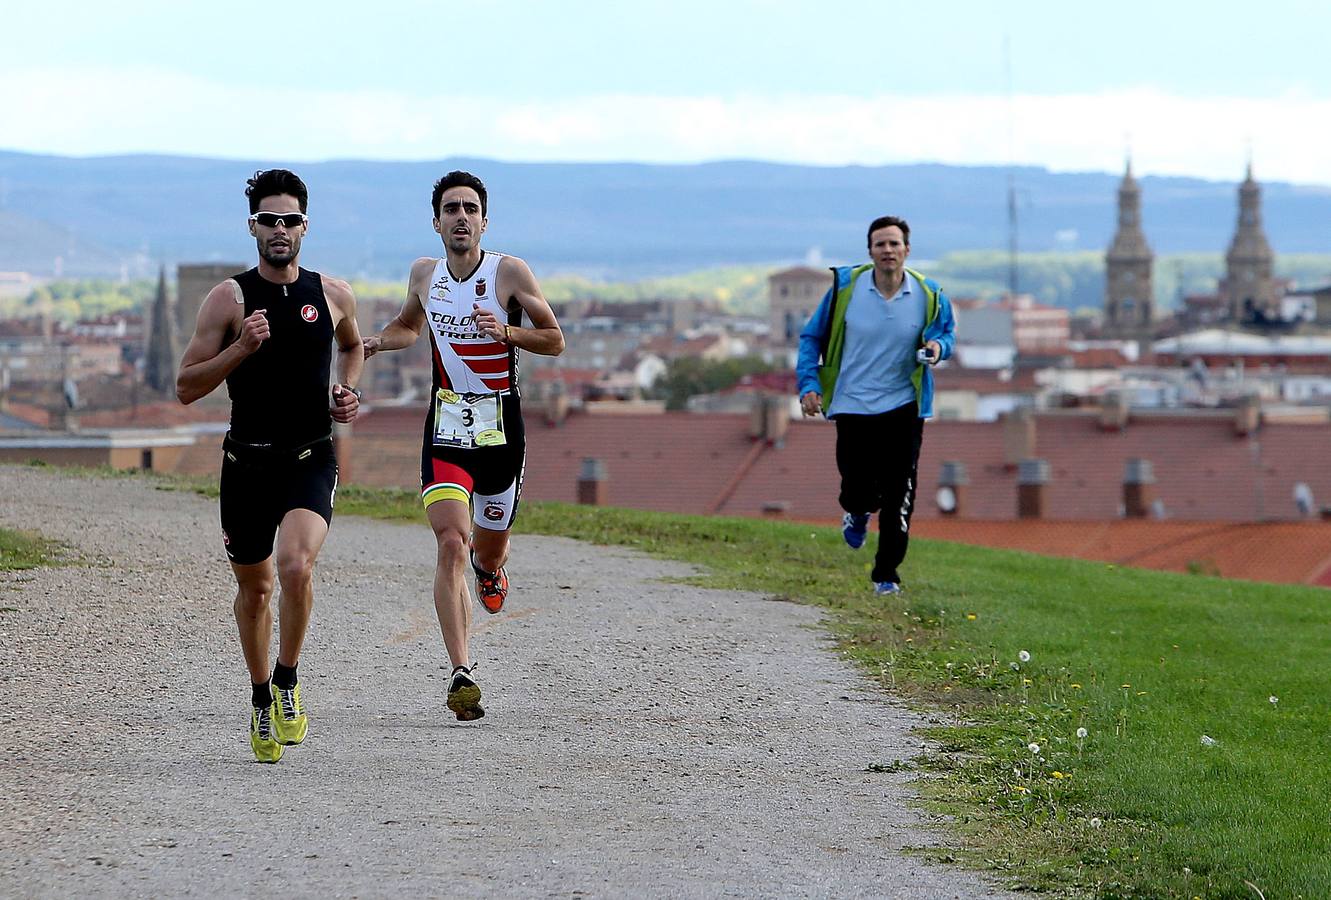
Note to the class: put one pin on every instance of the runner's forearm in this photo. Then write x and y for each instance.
(196, 381)
(545, 341)
(397, 335)
(350, 362)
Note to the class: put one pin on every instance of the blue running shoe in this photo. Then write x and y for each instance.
(854, 528)
(886, 587)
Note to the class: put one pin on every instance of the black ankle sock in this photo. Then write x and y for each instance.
(284, 676)
(261, 694)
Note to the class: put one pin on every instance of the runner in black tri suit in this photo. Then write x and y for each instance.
(474, 447)
(269, 333)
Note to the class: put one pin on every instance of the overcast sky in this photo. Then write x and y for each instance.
(1191, 88)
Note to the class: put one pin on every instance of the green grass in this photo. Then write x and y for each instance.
(1146, 662)
(25, 550)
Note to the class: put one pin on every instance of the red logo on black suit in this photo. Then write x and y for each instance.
(480, 287)
(309, 313)
(494, 513)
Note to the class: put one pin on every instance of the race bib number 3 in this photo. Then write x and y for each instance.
(468, 420)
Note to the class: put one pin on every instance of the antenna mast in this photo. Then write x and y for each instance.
(1011, 174)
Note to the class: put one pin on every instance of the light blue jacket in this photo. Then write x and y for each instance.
(824, 337)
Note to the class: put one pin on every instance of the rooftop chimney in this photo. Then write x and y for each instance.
(1248, 415)
(556, 405)
(1032, 477)
(1018, 436)
(592, 482)
(952, 482)
(1114, 411)
(1138, 488)
(769, 418)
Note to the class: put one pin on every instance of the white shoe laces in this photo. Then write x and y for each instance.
(287, 700)
(264, 723)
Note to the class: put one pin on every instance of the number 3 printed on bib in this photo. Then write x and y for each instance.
(468, 420)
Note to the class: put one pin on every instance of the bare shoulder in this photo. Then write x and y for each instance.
(223, 303)
(338, 292)
(514, 265)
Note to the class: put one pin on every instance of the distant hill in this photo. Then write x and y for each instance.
(102, 215)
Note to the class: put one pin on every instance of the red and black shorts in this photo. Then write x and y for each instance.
(488, 478)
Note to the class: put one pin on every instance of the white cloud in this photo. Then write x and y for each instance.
(92, 112)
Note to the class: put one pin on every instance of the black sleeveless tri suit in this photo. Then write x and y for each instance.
(278, 455)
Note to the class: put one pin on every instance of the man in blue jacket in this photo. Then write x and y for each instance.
(865, 362)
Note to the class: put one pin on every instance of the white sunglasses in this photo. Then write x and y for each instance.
(273, 219)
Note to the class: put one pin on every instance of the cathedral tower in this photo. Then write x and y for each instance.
(1129, 294)
(1249, 289)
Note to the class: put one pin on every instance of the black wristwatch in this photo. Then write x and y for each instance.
(353, 390)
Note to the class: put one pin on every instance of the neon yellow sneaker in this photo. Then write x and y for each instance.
(265, 744)
(289, 721)
(464, 695)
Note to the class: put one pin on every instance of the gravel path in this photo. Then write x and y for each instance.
(641, 737)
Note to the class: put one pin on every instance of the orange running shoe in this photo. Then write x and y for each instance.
(491, 587)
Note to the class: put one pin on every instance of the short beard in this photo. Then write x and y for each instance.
(279, 260)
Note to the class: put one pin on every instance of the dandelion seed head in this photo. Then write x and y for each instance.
(1095, 822)
(1273, 699)
(1081, 732)
(1208, 741)
(1033, 747)
(1024, 656)
(1014, 666)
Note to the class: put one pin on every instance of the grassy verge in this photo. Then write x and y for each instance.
(25, 550)
(1204, 760)
(1117, 732)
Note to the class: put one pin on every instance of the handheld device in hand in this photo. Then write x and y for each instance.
(924, 355)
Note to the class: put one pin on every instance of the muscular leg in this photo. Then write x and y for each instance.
(451, 521)
(254, 615)
(299, 539)
(491, 548)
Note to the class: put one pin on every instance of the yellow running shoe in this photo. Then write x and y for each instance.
(266, 747)
(289, 721)
(464, 695)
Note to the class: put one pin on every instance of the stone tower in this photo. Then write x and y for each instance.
(1129, 293)
(159, 373)
(1248, 289)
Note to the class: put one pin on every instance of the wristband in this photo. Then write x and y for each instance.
(507, 339)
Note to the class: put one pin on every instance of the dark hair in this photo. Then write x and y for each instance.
(269, 182)
(457, 178)
(883, 222)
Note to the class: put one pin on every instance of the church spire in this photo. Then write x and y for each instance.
(160, 358)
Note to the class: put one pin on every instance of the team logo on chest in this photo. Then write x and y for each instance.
(480, 287)
(309, 313)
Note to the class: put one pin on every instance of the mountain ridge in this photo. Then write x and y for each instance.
(105, 215)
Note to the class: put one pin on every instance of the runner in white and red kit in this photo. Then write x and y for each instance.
(474, 446)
